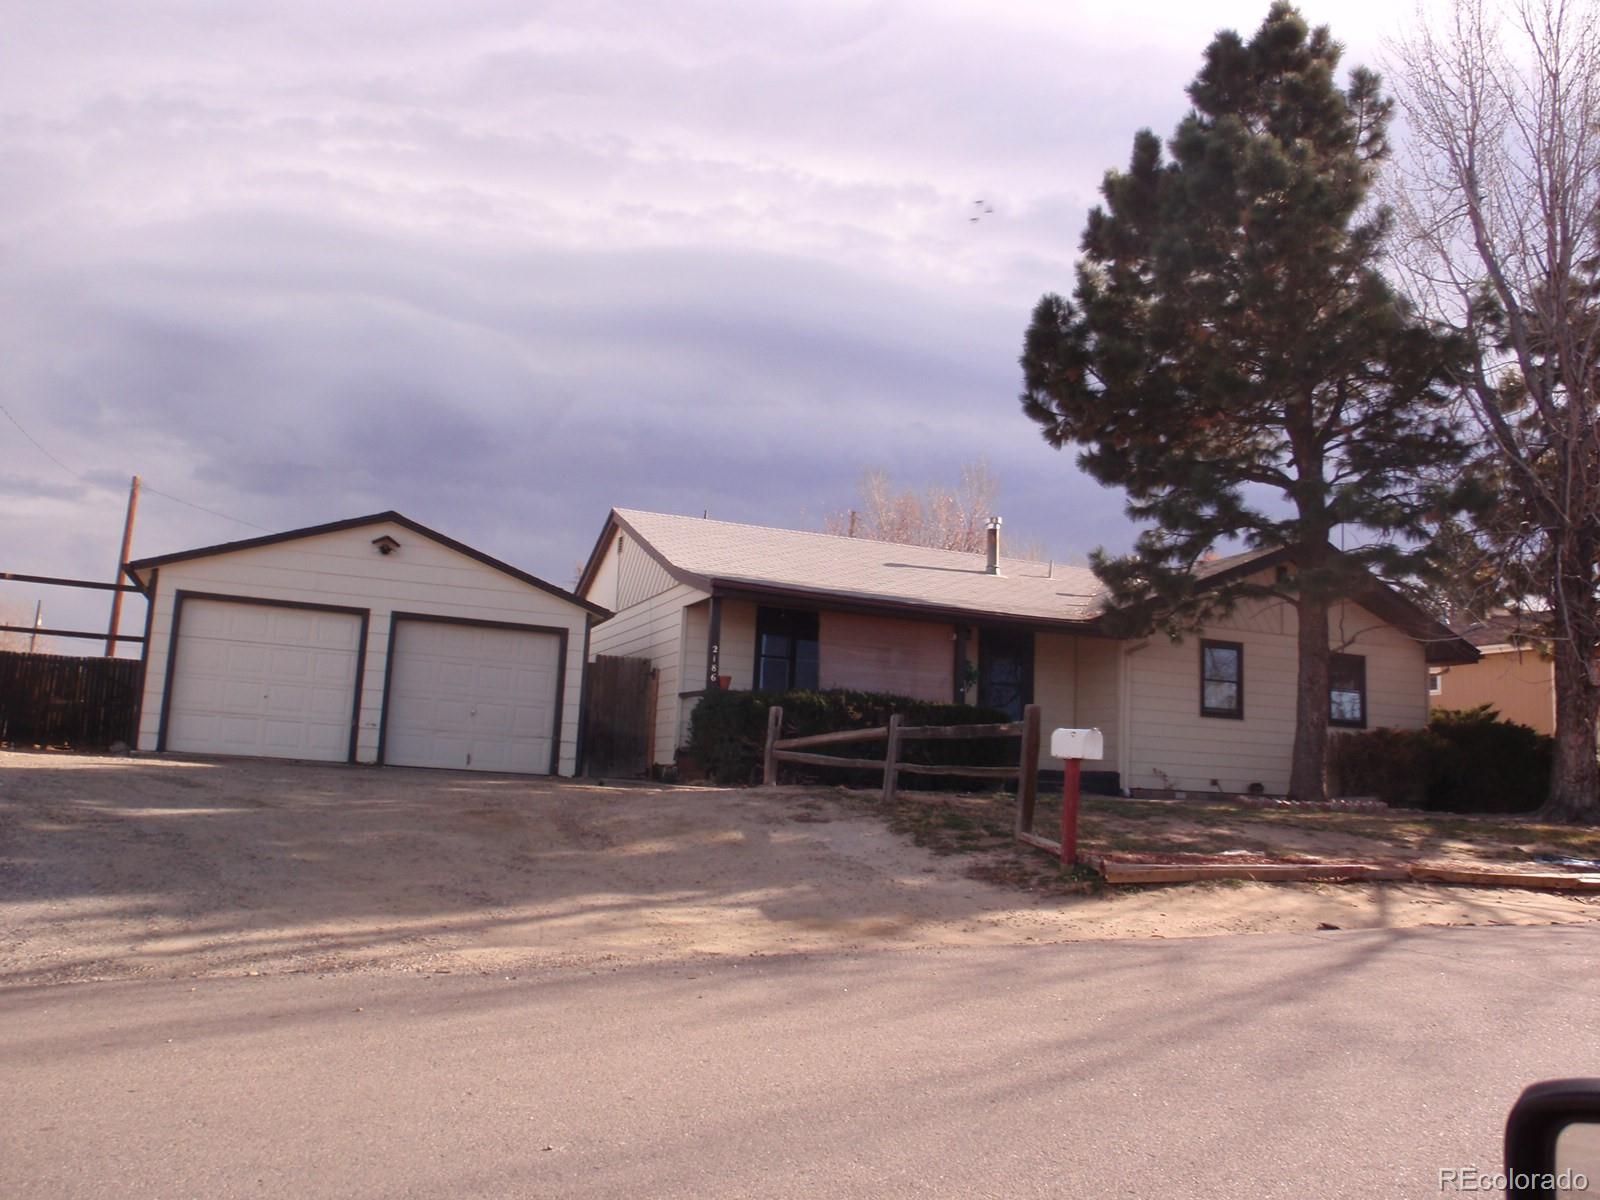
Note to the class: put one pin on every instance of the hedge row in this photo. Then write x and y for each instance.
(1465, 761)
(728, 733)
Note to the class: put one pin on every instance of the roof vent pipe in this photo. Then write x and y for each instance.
(992, 546)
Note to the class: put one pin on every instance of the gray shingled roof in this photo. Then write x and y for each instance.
(859, 568)
(824, 565)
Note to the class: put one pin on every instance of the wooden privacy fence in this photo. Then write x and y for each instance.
(59, 700)
(619, 716)
(894, 735)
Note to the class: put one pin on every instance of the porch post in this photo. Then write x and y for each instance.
(712, 680)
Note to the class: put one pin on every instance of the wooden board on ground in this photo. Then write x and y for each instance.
(1123, 872)
(1512, 877)
(1126, 872)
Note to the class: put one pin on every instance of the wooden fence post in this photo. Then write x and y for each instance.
(1028, 769)
(769, 760)
(891, 756)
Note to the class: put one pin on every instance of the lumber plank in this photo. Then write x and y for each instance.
(924, 732)
(1124, 872)
(826, 760)
(1509, 877)
(876, 734)
(974, 772)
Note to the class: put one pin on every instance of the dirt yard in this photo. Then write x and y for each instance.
(116, 867)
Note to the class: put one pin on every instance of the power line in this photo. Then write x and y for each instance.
(37, 446)
(78, 477)
(203, 508)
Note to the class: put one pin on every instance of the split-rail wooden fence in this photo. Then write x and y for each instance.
(894, 735)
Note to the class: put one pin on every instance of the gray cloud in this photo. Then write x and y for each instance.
(503, 266)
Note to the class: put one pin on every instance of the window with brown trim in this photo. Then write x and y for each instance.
(786, 650)
(1347, 691)
(1222, 679)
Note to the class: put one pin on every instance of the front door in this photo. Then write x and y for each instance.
(1005, 670)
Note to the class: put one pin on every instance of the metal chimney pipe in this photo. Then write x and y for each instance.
(992, 546)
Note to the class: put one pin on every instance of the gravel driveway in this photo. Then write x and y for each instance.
(116, 866)
(124, 867)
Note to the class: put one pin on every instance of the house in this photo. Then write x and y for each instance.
(370, 640)
(717, 604)
(1515, 675)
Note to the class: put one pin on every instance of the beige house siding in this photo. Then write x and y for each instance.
(1055, 686)
(653, 629)
(654, 620)
(1169, 744)
(1397, 672)
(603, 587)
(886, 654)
(696, 625)
(627, 574)
(737, 657)
(1097, 704)
(1519, 684)
(639, 576)
(341, 568)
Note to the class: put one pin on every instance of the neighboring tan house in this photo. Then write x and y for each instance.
(1515, 676)
(712, 604)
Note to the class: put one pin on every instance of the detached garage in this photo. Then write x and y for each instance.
(372, 640)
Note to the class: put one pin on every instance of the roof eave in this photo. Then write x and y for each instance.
(745, 588)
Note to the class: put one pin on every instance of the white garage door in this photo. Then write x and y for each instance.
(472, 697)
(263, 680)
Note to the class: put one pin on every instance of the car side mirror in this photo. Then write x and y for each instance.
(1553, 1140)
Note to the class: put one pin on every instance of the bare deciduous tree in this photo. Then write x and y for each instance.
(940, 516)
(1500, 196)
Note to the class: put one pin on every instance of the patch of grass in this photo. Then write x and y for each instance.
(979, 825)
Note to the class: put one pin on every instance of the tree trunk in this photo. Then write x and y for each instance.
(1308, 779)
(1575, 773)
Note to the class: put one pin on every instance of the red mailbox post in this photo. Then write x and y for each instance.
(1072, 746)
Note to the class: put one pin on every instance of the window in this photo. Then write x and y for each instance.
(1222, 679)
(786, 650)
(1347, 691)
(1435, 683)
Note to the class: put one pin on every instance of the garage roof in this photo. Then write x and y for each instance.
(137, 569)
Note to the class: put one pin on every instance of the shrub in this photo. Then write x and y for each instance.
(1394, 765)
(1468, 761)
(728, 733)
(1489, 765)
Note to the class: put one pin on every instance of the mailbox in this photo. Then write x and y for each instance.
(1077, 743)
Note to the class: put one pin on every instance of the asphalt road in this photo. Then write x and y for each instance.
(1342, 1064)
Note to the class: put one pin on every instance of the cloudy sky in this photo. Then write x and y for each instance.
(502, 265)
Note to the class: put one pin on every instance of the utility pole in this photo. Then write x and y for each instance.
(122, 561)
(38, 616)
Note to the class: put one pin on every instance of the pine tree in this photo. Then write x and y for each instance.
(1234, 360)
